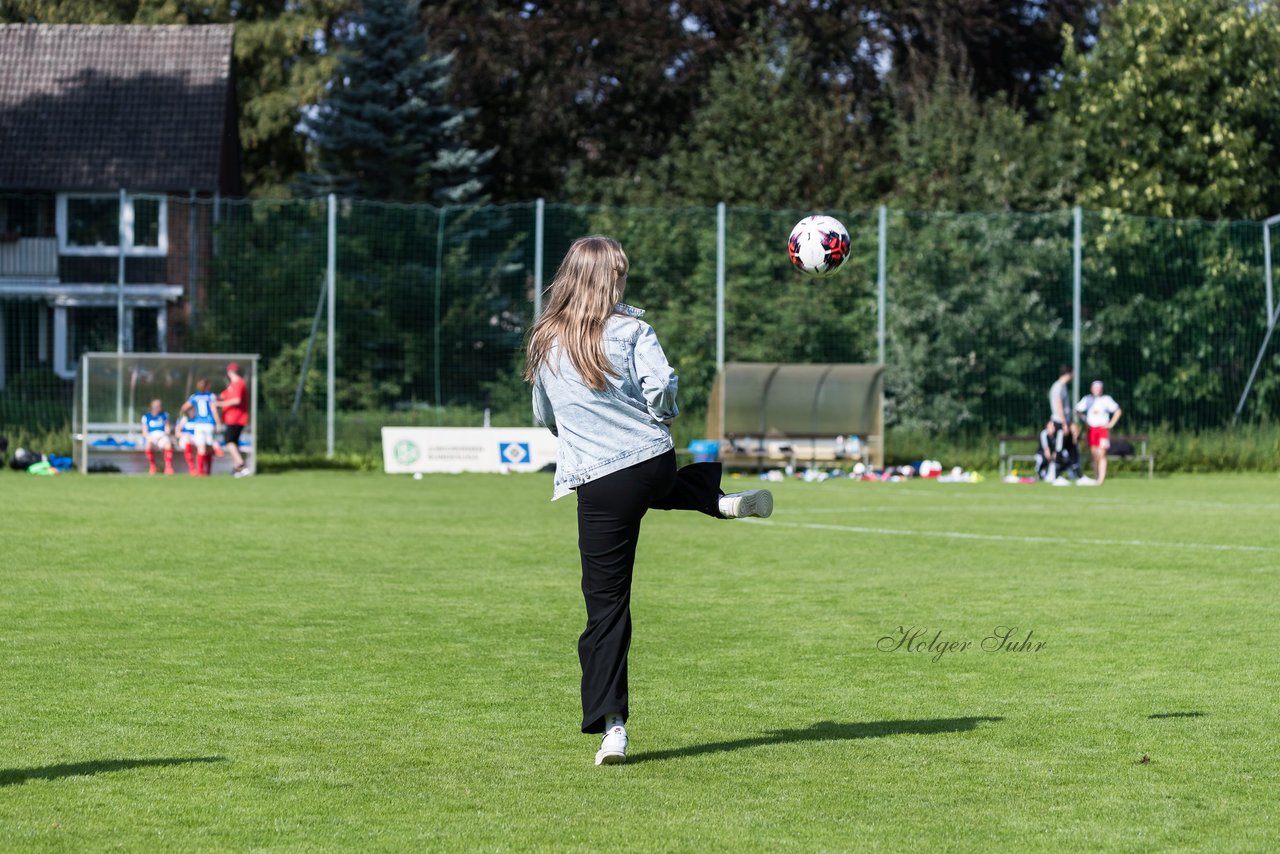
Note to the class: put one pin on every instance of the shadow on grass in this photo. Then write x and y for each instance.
(821, 731)
(1163, 715)
(18, 776)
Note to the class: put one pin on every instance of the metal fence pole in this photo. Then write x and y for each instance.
(331, 275)
(1076, 275)
(1257, 363)
(539, 239)
(121, 236)
(1272, 315)
(720, 250)
(83, 426)
(193, 242)
(436, 316)
(321, 302)
(882, 277)
(1266, 255)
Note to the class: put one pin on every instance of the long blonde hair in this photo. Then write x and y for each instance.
(584, 292)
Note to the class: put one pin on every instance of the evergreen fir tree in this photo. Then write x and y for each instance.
(385, 129)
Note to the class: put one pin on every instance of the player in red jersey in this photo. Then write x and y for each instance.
(234, 402)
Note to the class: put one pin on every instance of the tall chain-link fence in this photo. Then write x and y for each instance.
(430, 306)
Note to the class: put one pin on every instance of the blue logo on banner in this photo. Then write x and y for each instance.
(513, 453)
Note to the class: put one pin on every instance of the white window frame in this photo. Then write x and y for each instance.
(130, 251)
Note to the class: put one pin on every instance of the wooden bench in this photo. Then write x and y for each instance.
(1138, 441)
(738, 451)
(770, 414)
(122, 445)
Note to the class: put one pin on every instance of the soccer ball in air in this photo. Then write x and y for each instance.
(819, 245)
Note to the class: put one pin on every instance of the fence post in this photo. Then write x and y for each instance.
(311, 347)
(1266, 256)
(1272, 316)
(121, 235)
(436, 317)
(120, 241)
(83, 426)
(720, 249)
(882, 277)
(1076, 275)
(1257, 363)
(331, 275)
(193, 239)
(539, 235)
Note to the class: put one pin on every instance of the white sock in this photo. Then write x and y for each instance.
(612, 720)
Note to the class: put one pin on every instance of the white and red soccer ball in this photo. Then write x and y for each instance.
(819, 245)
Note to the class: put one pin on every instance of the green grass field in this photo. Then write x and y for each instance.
(354, 661)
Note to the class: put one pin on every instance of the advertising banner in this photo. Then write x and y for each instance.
(406, 450)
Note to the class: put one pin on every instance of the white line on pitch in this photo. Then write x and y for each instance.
(964, 535)
(853, 509)
(1093, 498)
(980, 507)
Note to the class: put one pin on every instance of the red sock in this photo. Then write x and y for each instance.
(168, 459)
(190, 454)
(151, 458)
(206, 463)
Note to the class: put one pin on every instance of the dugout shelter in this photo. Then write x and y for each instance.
(769, 413)
(112, 390)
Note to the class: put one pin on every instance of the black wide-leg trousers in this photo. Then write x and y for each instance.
(609, 514)
(1070, 452)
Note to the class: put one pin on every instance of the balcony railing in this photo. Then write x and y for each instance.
(29, 257)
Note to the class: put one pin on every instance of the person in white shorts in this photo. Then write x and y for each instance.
(201, 410)
(155, 434)
(186, 436)
(1101, 412)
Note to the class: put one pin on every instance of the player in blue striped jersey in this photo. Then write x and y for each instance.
(185, 433)
(201, 410)
(155, 434)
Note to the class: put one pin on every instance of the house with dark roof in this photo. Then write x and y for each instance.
(113, 139)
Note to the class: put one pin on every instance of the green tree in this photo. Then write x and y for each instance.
(949, 150)
(999, 47)
(978, 315)
(604, 87)
(1176, 109)
(814, 152)
(942, 147)
(600, 84)
(282, 63)
(385, 129)
(1174, 316)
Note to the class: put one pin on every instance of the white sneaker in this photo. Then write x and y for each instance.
(1061, 481)
(740, 505)
(613, 747)
(1086, 481)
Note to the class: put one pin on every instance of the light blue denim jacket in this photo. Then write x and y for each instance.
(602, 432)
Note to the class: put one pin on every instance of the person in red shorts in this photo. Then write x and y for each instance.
(1101, 413)
(234, 402)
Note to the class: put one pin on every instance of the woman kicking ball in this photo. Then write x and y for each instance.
(602, 385)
